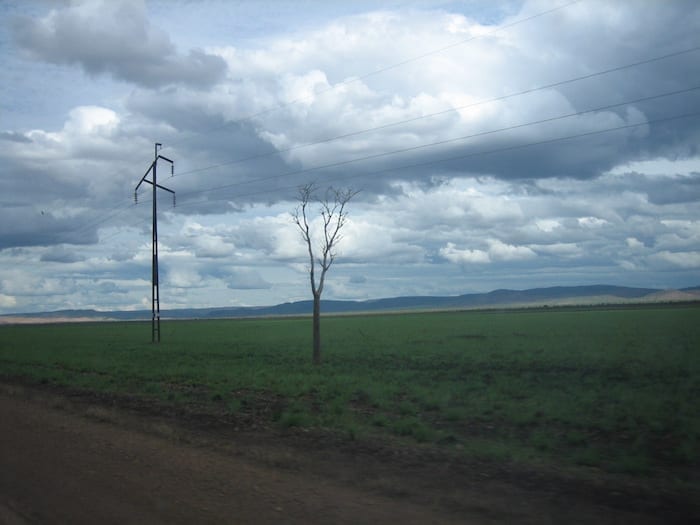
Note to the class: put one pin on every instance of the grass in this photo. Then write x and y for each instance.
(613, 389)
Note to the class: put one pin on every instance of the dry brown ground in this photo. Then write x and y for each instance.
(68, 458)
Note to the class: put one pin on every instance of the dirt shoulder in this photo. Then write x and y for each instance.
(68, 457)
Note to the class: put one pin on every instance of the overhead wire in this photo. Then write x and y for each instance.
(438, 143)
(186, 204)
(121, 208)
(381, 70)
(462, 156)
(453, 109)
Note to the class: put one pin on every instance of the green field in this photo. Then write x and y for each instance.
(614, 389)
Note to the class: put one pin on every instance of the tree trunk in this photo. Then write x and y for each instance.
(317, 329)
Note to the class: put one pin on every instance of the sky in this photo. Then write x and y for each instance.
(511, 144)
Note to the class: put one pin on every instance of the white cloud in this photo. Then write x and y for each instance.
(183, 278)
(660, 167)
(547, 225)
(685, 260)
(634, 243)
(206, 242)
(7, 301)
(501, 251)
(459, 256)
(365, 240)
(591, 222)
(91, 120)
(497, 251)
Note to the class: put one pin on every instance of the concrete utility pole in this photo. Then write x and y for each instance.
(155, 293)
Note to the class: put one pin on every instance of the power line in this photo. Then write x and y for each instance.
(384, 69)
(463, 156)
(364, 76)
(438, 143)
(123, 209)
(422, 146)
(444, 112)
(119, 209)
(339, 84)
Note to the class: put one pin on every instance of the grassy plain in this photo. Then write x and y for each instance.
(615, 389)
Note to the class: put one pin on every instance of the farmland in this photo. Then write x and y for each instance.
(608, 389)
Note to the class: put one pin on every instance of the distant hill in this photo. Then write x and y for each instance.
(554, 296)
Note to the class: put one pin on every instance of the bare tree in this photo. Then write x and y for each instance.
(321, 257)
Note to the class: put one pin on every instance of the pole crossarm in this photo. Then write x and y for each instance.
(143, 179)
(158, 186)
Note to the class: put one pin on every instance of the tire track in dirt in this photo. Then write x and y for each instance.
(64, 461)
(57, 467)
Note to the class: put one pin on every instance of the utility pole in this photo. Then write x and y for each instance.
(155, 293)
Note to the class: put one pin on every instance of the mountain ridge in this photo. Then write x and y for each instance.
(500, 298)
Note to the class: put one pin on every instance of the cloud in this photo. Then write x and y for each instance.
(7, 301)
(562, 250)
(634, 243)
(61, 254)
(497, 251)
(14, 137)
(181, 277)
(315, 97)
(501, 251)
(110, 287)
(246, 279)
(461, 190)
(116, 37)
(206, 242)
(461, 256)
(685, 260)
(447, 82)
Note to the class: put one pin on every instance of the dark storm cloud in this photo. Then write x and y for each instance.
(218, 160)
(116, 38)
(28, 226)
(674, 190)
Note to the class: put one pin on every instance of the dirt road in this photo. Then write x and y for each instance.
(62, 462)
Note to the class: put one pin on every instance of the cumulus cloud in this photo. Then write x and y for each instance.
(462, 256)
(116, 37)
(7, 301)
(686, 260)
(497, 251)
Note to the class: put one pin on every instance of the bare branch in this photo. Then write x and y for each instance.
(334, 217)
(301, 220)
